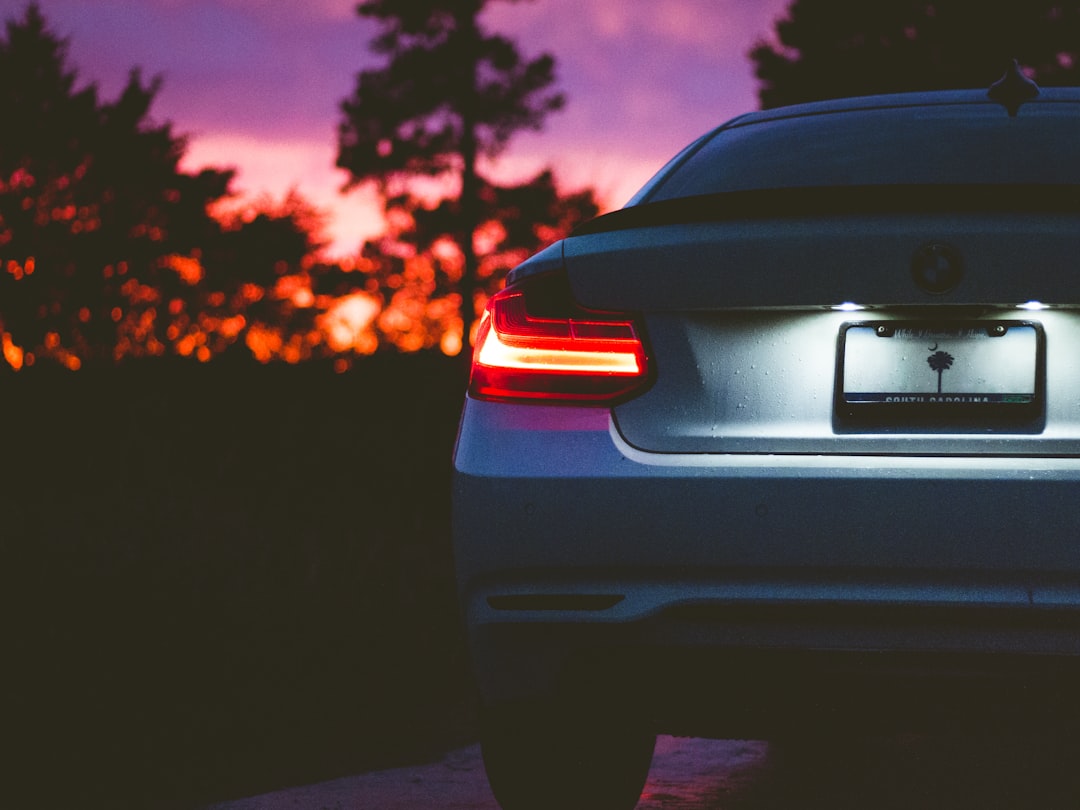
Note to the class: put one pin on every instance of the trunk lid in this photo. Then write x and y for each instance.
(747, 323)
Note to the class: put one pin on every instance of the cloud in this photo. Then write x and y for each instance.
(257, 83)
(271, 168)
(683, 23)
(610, 20)
(717, 25)
(265, 9)
(614, 174)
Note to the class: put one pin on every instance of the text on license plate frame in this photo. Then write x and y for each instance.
(982, 366)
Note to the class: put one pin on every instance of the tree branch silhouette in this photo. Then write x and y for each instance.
(448, 95)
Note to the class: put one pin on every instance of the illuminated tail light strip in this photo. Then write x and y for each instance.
(585, 357)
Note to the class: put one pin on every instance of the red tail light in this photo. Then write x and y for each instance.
(534, 343)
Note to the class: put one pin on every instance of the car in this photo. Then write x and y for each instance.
(787, 446)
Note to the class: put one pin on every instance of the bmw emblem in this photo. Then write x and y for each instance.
(937, 268)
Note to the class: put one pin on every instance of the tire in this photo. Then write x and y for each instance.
(545, 755)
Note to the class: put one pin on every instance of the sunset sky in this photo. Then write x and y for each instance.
(256, 84)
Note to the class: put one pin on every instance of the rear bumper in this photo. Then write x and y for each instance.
(751, 589)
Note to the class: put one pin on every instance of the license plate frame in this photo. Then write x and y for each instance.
(982, 373)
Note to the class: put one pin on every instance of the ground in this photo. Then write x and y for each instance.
(958, 773)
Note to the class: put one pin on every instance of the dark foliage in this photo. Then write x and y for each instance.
(107, 249)
(217, 580)
(448, 94)
(90, 197)
(522, 218)
(834, 48)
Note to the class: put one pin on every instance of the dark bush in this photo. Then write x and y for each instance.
(221, 579)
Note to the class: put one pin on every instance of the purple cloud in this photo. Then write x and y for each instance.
(642, 80)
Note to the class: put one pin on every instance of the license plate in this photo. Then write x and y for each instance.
(972, 364)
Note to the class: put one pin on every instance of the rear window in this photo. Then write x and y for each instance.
(949, 144)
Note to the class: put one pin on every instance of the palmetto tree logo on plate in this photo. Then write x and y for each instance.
(939, 361)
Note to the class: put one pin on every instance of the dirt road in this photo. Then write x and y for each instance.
(685, 774)
(976, 772)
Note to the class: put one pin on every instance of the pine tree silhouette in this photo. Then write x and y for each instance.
(833, 48)
(448, 94)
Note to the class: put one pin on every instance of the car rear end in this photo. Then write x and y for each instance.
(824, 464)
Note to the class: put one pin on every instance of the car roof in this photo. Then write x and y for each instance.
(926, 98)
(950, 137)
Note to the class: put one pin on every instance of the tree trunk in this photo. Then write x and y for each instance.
(470, 209)
(470, 192)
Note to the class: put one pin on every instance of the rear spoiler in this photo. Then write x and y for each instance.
(826, 201)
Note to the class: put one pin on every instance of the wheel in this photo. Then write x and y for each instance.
(547, 755)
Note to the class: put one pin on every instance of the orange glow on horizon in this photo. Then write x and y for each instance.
(251, 293)
(450, 257)
(18, 271)
(296, 289)
(12, 352)
(165, 303)
(188, 268)
(139, 293)
(488, 237)
(264, 343)
(450, 343)
(347, 324)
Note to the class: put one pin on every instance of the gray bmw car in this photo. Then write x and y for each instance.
(789, 444)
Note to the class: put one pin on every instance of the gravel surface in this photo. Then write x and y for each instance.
(957, 773)
(685, 773)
